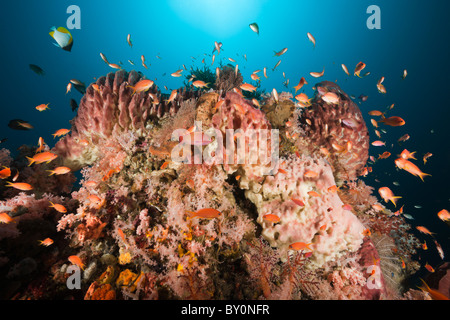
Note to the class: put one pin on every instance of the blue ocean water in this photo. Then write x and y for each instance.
(413, 36)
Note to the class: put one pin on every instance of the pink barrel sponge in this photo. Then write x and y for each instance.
(301, 195)
(239, 114)
(110, 109)
(336, 129)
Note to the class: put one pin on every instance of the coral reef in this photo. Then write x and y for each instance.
(288, 223)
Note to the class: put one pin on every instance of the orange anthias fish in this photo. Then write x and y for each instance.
(42, 107)
(60, 133)
(121, 234)
(41, 145)
(444, 215)
(407, 155)
(58, 207)
(378, 207)
(207, 213)
(114, 66)
(375, 113)
(439, 249)
(435, 295)
(5, 173)
(141, 86)
(344, 67)
(384, 155)
(298, 202)
(199, 84)
(76, 261)
(426, 156)
(271, 218)
(297, 246)
(247, 87)
(173, 94)
(255, 77)
(42, 157)
(95, 201)
(359, 67)
(177, 73)
(281, 52)
(347, 207)
(424, 230)
(378, 143)
(311, 38)
(388, 195)
(301, 83)
(59, 170)
(317, 74)
(46, 242)
(20, 186)
(330, 98)
(313, 194)
(164, 165)
(410, 167)
(5, 218)
(310, 174)
(404, 138)
(393, 121)
(333, 189)
(403, 263)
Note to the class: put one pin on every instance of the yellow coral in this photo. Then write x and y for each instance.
(129, 279)
(125, 257)
(108, 276)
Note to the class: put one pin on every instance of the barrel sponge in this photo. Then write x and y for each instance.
(322, 221)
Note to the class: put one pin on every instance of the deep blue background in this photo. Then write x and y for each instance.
(414, 36)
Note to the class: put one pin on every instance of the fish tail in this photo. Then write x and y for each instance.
(427, 288)
(9, 184)
(394, 200)
(31, 160)
(52, 172)
(421, 175)
(191, 214)
(134, 89)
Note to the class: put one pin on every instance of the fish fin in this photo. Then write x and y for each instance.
(191, 214)
(31, 161)
(52, 172)
(421, 175)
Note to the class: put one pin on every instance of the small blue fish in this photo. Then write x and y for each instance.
(62, 37)
(408, 216)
